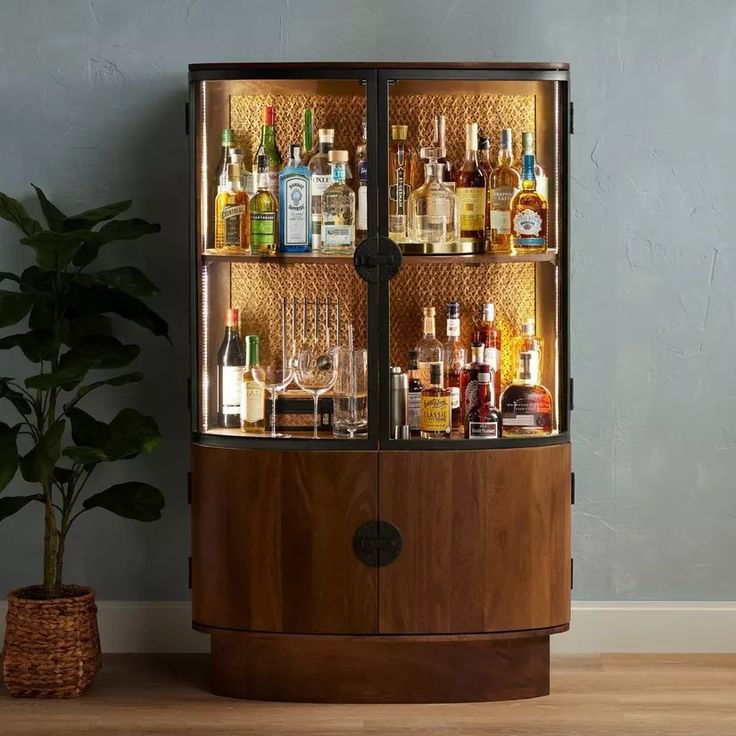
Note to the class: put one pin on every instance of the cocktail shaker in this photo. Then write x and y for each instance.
(399, 398)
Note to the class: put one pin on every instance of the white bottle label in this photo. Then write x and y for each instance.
(272, 181)
(453, 327)
(414, 412)
(492, 356)
(363, 208)
(252, 406)
(337, 235)
(320, 182)
(455, 397)
(230, 388)
(295, 232)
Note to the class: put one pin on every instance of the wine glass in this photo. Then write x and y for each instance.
(316, 373)
(274, 377)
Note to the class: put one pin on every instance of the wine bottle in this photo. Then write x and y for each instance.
(230, 367)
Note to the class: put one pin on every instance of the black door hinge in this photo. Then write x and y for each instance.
(572, 487)
(572, 117)
(572, 573)
(186, 118)
(189, 487)
(571, 401)
(189, 574)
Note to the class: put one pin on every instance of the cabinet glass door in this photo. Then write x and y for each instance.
(474, 193)
(280, 200)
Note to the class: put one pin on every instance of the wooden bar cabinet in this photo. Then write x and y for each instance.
(380, 568)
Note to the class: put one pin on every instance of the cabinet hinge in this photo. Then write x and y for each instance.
(572, 117)
(572, 573)
(189, 573)
(572, 487)
(189, 487)
(186, 118)
(571, 401)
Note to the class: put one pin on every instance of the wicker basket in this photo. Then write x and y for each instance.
(52, 647)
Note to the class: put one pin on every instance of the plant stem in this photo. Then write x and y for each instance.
(50, 545)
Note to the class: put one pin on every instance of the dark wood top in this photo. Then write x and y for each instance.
(525, 65)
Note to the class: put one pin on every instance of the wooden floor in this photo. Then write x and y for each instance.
(610, 694)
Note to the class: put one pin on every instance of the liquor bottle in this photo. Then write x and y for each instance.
(484, 155)
(263, 214)
(505, 182)
(528, 213)
(436, 408)
(440, 141)
(484, 419)
(526, 405)
(268, 148)
(231, 212)
(338, 209)
(488, 336)
(295, 204)
(253, 396)
(414, 400)
(469, 382)
(471, 190)
(230, 365)
(319, 167)
(247, 182)
(527, 146)
(429, 348)
(432, 208)
(528, 342)
(454, 361)
(308, 149)
(361, 167)
(400, 171)
(220, 177)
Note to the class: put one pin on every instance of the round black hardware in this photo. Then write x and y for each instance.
(377, 259)
(377, 543)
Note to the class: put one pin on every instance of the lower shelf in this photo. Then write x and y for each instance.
(379, 669)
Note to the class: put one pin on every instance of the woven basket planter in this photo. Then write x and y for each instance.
(52, 647)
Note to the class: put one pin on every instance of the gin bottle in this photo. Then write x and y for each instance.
(319, 168)
(295, 205)
(338, 209)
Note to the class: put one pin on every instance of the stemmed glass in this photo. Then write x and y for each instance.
(274, 378)
(315, 373)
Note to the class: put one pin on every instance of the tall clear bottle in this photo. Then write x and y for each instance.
(429, 349)
(361, 168)
(440, 142)
(433, 206)
(321, 178)
(295, 205)
(269, 149)
(505, 182)
(471, 190)
(401, 162)
(338, 209)
(226, 139)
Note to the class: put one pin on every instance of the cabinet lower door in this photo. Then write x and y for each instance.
(486, 540)
(272, 539)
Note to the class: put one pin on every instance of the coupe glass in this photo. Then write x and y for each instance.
(315, 373)
(274, 378)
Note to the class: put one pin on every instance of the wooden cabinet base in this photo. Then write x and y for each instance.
(380, 669)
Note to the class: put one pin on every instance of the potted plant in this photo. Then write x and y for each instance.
(52, 644)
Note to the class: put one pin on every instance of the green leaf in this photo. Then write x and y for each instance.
(100, 351)
(13, 211)
(14, 305)
(55, 251)
(9, 458)
(132, 500)
(90, 218)
(85, 455)
(77, 329)
(114, 381)
(54, 216)
(11, 504)
(86, 430)
(15, 397)
(110, 232)
(37, 345)
(9, 276)
(33, 279)
(67, 377)
(62, 475)
(128, 279)
(131, 308)
(39, 463)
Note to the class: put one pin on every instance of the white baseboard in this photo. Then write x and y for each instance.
(601, 626)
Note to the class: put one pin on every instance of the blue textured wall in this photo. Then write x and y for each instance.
(91, 108)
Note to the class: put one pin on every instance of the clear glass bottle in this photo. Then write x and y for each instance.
(361, 167)
(440, 141)
(429, 349)
(528, 212)
(436, 408)
(505, 182)
(220, 176)
(454, 361)
(471, 190)
(321, 175)
(230, 365)
(433, 206)
(488, 336)
(414, 398)
(253, 395)
(269, 149)
(484, 421)
(540, 175)
(401, 163)
(526, 405)
(338, 209)
(263, 214)
(295, 205)
(527, 341)
(231, 212)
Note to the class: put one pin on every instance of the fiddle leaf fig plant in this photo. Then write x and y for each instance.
(67, 311)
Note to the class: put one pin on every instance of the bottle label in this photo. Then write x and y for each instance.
(363, 171)
(295, 197)
(471, 207)
(399, 191)
(492, 356)
(501, 209)
(472, 396)
(337, 235)
(362, 208)
(320, 182)
(455, 397)
(231, 218)
(272, 182)
(262, 228)
(453, 327)
(533, 363)
(527, 227)
(482, 430)
(543, 187)
(230, 377)
(252, 406)
(533, 411)
(414, 410)
(436, 414)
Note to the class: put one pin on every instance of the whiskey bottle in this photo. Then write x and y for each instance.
(361, 167)
(469, 382)
(526, 405)
(488, 336)
(338, 209)
(527, 146)
(436, 408)
(321, 173)
(528, 213)
(484, 155)
(414, 398)
(429, 348)
(454, 361)
(263, 214)
(401, 171)
(505, 182)
(295, 204)
(269, 149)
(527, 341)
(484, 419)
(253, 396)
(230, 365)
(231, 212)
(471, 190)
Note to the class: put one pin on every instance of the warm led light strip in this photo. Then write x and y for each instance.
(203, 220)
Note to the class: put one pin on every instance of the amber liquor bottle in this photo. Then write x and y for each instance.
(414, 399)
(471, 190)
(436, 408)
(504, 183)
(486, 334)
(526, 405)
(528, 214)
(484, 419)
(231, 212)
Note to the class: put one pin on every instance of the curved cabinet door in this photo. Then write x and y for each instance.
(486, 540)
(272, 540)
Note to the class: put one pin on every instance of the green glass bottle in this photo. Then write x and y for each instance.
(263, 213)
(269, 149)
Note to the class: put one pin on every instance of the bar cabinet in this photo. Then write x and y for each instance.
(383, 567)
